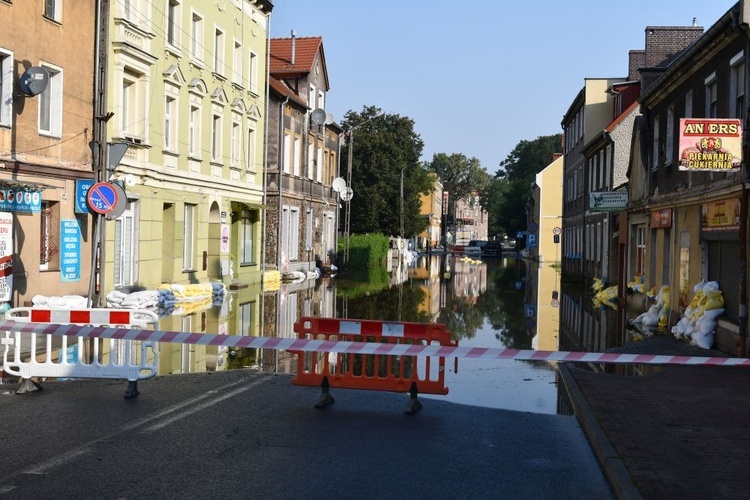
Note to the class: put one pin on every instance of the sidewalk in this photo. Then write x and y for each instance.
(678, 432)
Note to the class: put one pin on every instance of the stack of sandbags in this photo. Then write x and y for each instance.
(652, 317)
(60, 302)
(638, 284)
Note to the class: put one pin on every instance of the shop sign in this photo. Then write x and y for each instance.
(710, 144)
(608, 201)
(19, 200)
(721, 215)
(82, 187)
(661, 218)
(70, 254)
(6, 256)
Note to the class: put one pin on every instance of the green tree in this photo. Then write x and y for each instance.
(509, 193)
(385, 150)
(461, 176)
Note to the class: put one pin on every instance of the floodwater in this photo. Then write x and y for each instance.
(483, 303)
(490, 303)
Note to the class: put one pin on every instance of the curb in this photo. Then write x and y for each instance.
(613, 465)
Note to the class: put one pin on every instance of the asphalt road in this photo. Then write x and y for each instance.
(241, 434)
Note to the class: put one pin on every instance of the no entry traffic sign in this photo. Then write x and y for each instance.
(102, 198)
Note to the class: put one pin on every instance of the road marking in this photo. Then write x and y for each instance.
(54, 462)
(203, 406)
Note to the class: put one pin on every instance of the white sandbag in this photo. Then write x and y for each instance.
(711, 286)
(650, 320)
(40, 300)
(712, 314)
(703, 340)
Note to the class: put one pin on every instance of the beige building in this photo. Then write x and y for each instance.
(46, 123)
(432, 210)
(544, 289)
(187, 87)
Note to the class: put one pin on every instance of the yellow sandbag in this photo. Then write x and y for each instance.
(714, 300)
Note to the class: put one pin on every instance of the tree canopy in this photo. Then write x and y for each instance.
(461, 176)
(385, 148)
(510, 191)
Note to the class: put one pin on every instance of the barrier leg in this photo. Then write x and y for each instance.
(132, 390)
(325, 397)
(28, 385)
(414, 404)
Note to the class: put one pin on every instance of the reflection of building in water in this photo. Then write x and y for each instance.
(238, 314)
(469, 279)
(547, 278)
(543, 292)
(284, 307)
(426, 276)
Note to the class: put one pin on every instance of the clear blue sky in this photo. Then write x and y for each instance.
(477, 76)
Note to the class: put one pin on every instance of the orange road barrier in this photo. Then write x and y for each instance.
(370, 369)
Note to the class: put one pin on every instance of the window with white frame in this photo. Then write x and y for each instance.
(287, 152)
(218, 51)
(252, 73)
(51, 103)
(196, 37)
(290, 233)
(173, 23)
(311, 97)
(310, 158)
(639, 250)
(216, 138)
(53, 10)
(712, 97)
(250, 149)
(126, 246)
(170, 123)
(655, 145)
(297, 155)
(669, 136)
(6, 88)
(236, 138)
(133, 112)
(245, 313)
(194, 142)
(188, 241)
(321, 99)
(237, 58)
(737, 86)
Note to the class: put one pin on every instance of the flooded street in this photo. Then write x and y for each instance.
(483, 303)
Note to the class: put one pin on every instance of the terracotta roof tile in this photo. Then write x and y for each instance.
(305, 50)
(284, 91)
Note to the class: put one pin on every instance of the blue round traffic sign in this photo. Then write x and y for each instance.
(102, 198)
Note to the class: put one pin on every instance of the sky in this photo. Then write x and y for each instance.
(477, 76)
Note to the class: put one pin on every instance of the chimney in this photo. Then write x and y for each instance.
(664, 43)
(293, 40)
(636, 61)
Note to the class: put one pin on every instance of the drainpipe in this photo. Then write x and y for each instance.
(265, 153)
(280, 169)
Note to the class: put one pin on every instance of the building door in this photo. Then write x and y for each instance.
(126, 246)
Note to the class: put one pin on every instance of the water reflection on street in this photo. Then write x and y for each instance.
(492, 303)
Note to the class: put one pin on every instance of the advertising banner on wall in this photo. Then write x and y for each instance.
(70, 257)
(721, 215)
(6, 256)
(710, 144)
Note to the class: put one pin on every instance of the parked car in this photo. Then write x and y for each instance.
(475, 247)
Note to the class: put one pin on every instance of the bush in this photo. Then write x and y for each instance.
(366, 250)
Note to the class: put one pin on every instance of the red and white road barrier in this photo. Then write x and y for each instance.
(360, 347)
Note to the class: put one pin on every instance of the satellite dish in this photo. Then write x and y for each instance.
(33, 81)
(318, 116)
(347, 194)
(339, 184)
(329, 118)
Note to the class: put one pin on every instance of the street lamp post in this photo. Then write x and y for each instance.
(349, 192)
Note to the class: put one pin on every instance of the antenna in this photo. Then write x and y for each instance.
(329, 118)
(34, 81)
(339, 184)
(318, 116)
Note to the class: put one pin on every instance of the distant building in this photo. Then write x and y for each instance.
(432, 210)
(472, 220)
